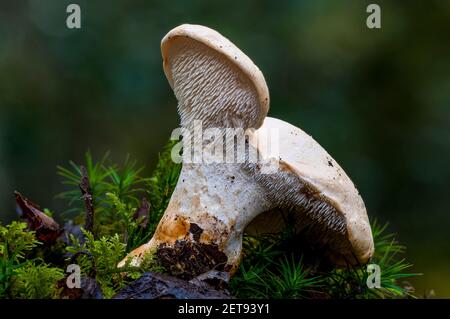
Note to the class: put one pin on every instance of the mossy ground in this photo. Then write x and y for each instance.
(127, 209)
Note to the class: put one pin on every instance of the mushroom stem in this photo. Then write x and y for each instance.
(219, 86)
(211, 205)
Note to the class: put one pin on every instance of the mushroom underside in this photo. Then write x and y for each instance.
(305, 236)
(318, 227)
(210, 88)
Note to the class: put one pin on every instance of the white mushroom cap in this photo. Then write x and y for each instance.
(312, 183)
(213, 80)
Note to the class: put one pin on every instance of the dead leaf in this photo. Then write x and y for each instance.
(45, 227)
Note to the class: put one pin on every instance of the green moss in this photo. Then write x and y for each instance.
(36, 280)
(98, 258)
(389, 256)
(15, 243)
(118, 191)
(266, 271)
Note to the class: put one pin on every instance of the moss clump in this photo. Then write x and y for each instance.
(21, 277)
(36, 280)
(272, 267)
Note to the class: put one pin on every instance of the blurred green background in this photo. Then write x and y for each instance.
(377, 100)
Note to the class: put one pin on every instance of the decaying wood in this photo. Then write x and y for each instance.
(159, 286)
(90, 289)
(216, 279)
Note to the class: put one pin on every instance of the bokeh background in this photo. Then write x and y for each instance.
(377, 100)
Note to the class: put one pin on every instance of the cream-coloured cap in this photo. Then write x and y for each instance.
(311, 183)
(213, 80)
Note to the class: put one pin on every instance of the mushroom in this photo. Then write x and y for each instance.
(216, 85)
(325, 206)
(213, 203)
(213, 81)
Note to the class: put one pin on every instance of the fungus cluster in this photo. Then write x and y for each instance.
(214, 203)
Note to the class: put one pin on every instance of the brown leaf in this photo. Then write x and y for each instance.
(45, 227)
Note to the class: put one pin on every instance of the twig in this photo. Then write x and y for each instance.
(88, 200)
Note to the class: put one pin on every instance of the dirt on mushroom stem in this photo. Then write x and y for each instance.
(188, 259)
